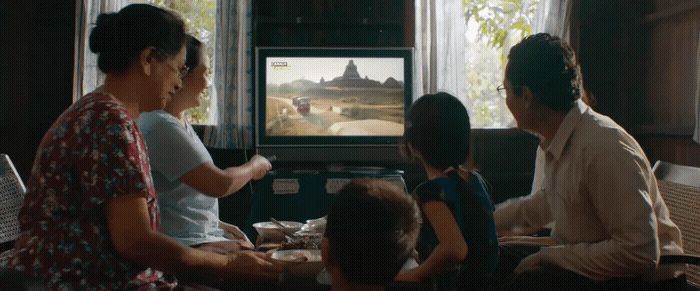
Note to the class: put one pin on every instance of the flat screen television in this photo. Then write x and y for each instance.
(332, 97)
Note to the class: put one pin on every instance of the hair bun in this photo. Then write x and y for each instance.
(102, 35)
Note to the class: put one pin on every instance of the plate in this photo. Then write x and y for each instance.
(300, 263)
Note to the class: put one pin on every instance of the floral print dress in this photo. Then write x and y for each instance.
(94, 152)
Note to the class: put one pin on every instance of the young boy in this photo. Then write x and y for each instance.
(371, 231)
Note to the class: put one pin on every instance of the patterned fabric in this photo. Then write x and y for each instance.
(233, 79)
(94, 152)
(5, 258)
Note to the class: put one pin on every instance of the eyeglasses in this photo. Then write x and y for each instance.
(181, 72)
(501, 91)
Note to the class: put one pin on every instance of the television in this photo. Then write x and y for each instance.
(331, 99)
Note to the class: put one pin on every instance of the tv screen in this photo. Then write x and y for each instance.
(332, 97)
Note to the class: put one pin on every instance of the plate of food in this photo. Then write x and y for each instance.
(271, 231)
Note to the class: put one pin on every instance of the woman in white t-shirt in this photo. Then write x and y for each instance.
(186, 180)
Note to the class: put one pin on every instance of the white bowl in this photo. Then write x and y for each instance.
(271, 231)
(317, 225)
(300, 263)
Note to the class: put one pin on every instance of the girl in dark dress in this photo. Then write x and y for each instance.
(458, 241)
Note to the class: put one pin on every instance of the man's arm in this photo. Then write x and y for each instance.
(528, 212)
(525, 215)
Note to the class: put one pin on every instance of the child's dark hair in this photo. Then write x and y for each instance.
(117, 38)
(437, 127)
(372, 229)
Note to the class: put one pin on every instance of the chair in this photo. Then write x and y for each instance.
(11, 197)
(680, 188)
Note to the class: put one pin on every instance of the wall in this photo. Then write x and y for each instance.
(667, 114)
(638, 60)
(36, 71)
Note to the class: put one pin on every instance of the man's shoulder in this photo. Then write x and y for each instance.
(601, 131)
(600, 135)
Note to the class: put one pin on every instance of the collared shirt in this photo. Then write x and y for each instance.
(596, 184)
(187, 215)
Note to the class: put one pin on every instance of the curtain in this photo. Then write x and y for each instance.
(86, 76)
(232, 89)
(440, 63)
(553, 17)
(696, 135)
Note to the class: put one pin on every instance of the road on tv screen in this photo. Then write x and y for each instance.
(319, 116)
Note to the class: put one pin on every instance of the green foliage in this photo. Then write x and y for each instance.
(200, 18)
(497, 24)
(501, 18)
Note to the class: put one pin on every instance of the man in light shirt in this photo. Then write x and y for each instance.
(593, 182)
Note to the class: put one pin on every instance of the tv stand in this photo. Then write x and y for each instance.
(299, 194)
(356, 155)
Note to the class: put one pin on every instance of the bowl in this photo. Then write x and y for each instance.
(270, 231)
(300, 263)
(317, 225)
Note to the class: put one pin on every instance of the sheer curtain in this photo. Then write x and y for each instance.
(553, 17)
(231, 106)
(440, 48)
(232, 89)
(696, 135)
(87, 76)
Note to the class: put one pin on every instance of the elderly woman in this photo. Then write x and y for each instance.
(185, 178)
(90, 217)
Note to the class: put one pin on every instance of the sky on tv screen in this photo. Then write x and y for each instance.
(329, 96)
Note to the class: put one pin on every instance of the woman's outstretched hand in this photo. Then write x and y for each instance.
(260, 166)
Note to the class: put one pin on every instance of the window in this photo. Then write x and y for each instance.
(492, 28)
(200, 18)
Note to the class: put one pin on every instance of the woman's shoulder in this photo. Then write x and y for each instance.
(101, 100)
(154, 119)
(99, 110)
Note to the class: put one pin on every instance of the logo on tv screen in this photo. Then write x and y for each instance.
(280, 65)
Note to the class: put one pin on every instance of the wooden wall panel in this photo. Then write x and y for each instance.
(15, 71)
(677, 149)
(36, 73)
(663, 119)
(670, 80)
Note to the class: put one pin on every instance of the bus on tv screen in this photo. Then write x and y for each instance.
(327, 96)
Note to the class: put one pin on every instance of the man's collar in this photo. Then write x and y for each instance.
(556, 146)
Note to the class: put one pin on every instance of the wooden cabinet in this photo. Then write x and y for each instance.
(333, 23)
